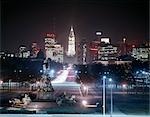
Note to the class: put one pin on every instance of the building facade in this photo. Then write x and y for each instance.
(3, 55)
(34, 50)
(23, 52)
(53, 50)
(107, 52)
(93, 50)
(141, 53)
(105, 40)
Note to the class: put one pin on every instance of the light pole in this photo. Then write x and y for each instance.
(9, 84)
(124, 86)
(1, 84)
(111, 98)
(104, 80)
(85, 90)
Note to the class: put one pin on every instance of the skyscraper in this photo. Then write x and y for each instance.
(34, 50)
(23, 52)
(71, 43)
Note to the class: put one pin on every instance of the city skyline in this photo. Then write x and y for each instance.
(28, 21)
(75, 57)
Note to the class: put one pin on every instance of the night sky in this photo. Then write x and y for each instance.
(27, 21)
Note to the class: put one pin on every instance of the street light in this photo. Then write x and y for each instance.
(110, 80)
(111, 98)
(52, 73)
(104, 78)
(37, 83)
(124, 86)
(84, 102)
(41, 71)
(1, 82)
(85, 88)
(76, 71)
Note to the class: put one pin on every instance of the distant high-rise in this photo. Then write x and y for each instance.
(123, 47)
(34, 50)
(71, 43)
(81, 51)
(53, 50)
(23, 52)
(94, 45)
(107, 52)
(141, 53)
(105, 40)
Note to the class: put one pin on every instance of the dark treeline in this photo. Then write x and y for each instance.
(24, 69)
(121, 73)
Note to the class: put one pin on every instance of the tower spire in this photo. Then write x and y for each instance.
(71, 43)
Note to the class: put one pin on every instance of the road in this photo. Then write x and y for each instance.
(65, 82)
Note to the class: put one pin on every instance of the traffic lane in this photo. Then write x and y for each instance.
(41, 105)
(53, 108)
(71, 76)
(70, 79)
(61, 77)
(68, 91)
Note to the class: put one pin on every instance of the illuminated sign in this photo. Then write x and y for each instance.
(98, 33)
(105, 40)
(51, 35)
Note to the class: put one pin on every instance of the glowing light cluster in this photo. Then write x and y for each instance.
(62, 77)
(71, 43)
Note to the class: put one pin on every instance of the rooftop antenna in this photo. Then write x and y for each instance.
(54, 27)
